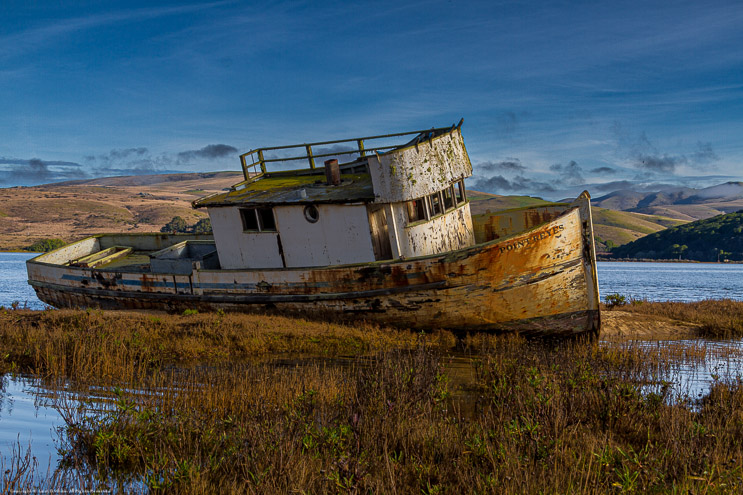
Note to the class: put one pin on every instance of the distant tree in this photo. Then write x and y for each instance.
(678, 250)
(177, 224)
(682, 250)
(203, 226)
(711, 239)
(45, 245)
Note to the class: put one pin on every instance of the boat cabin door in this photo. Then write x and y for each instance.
(380, 234)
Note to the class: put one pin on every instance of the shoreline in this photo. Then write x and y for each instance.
(647, 260)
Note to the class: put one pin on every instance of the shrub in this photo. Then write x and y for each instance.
(614, 300)
(203, 226)
(45, 245)
(176, 224)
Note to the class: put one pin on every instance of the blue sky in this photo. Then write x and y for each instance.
(556, 96)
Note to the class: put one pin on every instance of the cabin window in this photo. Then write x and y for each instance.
(416, 210)
(435, 199)
(448, 198)
(250, 220)
(311, 214)
(258, 219)
(459, 192)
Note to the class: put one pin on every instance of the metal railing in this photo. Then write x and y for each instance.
(256, 159)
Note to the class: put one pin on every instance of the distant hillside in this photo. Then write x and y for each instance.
(712, 239)
(611, 227)
(615, 228)
(75, 209)
(682, 203)
(485, 202)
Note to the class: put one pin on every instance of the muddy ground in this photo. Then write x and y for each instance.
(623, 325)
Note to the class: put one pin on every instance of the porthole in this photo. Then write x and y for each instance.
(311, 213)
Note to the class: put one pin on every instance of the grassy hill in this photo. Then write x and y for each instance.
(614, 228)
(485, 202)
(75, 209)
(611, 227)
(711, 239)
(681, 203)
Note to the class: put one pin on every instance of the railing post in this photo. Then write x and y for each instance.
(309, 156)
(260, 160)
(360, 142)
(245, 167)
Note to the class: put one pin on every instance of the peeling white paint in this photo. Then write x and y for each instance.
(448, 232)
(419, 170)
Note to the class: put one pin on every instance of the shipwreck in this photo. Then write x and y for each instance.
(382, 232)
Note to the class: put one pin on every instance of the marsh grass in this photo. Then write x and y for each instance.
(95, 344)
(576, 418)
(720, 318)
(558, 417)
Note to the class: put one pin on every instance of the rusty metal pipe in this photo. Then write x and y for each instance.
(332, 172)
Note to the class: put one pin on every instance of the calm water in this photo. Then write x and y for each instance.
(14, 281)
(672, 281)
(28, 420)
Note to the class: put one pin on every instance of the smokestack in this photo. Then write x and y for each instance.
(332, 172)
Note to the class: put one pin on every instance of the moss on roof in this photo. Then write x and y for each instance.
(276, 188)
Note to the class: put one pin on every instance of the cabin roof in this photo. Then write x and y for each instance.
(286, 188)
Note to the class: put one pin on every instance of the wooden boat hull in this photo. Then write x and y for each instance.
(539, 281)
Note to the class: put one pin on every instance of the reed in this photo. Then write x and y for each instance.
(573, 419)
(96, 344)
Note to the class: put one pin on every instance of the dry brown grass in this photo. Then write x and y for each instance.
(570, 417)
(72, 211)
(95, 344)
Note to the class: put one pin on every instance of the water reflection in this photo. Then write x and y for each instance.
(28, 421)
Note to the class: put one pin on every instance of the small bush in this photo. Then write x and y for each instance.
(45, 245)
(176, 224)
(203, 226)
(614, 300)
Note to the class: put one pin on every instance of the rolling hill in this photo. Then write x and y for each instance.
(685, 204)
(611, 227)
(75, 209)
(72, 210)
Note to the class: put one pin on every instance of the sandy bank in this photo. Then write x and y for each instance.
(622, 325)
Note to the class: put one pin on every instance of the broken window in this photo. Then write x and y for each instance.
(250, 221)
(435, 199)
(258, 219)
(416, 210)
(268, 223)
(459, 195)
(448, 198)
